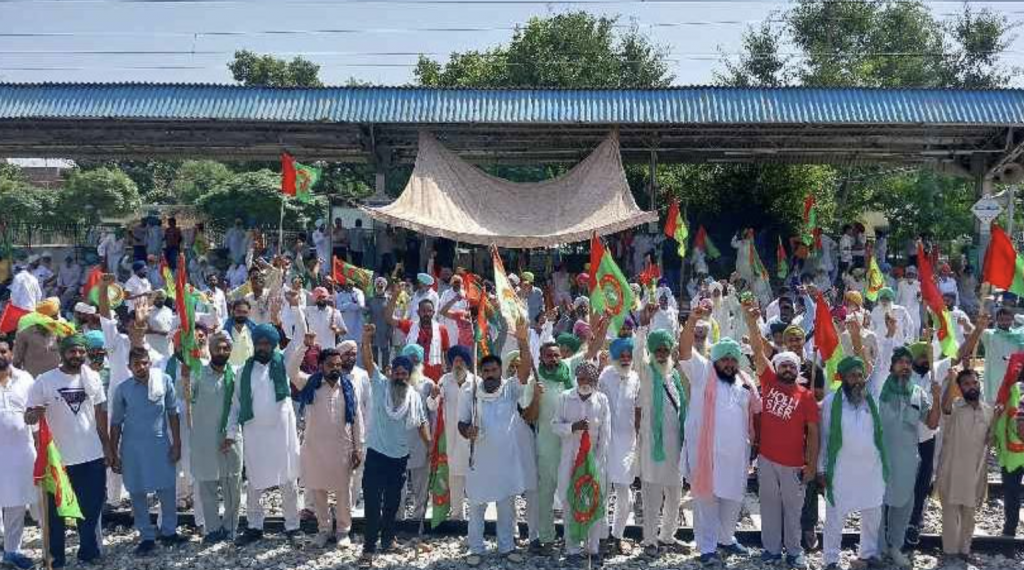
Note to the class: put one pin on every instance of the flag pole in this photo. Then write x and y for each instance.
(280, 230)
(44, 517)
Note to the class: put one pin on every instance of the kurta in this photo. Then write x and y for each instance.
(901, 418)
(549, 444)
(16, 447)
(329, 441)
(962, 477)
(146, 466)
(272, 452)
(665, 472)
(494, 475)
(320, 322)
(734, 406)
(572, 408)
(419, 455)
(451, 395)
(622, 392)
(352, 304)
(207, 461)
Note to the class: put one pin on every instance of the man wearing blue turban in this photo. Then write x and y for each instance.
(621, 385)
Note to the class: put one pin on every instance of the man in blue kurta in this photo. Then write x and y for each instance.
(145, 432)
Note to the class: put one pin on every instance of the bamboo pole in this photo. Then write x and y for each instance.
(44, 509)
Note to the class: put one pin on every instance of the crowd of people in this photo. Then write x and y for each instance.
(338, 396)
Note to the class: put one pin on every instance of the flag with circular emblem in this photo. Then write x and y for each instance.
(609, 291)
(297, 180)
(440, 494)
(585, 494)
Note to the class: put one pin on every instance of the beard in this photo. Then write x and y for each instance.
(262, 357)
(786, 377)
(725, 376)
(491, 385)
(332, 376)
(663, 368)
(854, 392)
(921, 369)
(219, 361)
(624, 368)
(972, 395)
(241, 320)
(4, 364)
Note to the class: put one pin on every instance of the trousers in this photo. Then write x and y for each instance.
(168, 513)
(231, 491)
(1011, 500)
(781, 491)
(289, 504)
(505, 526)
(532, 514)
(383, 478)
(665, 499)
(89, 481)
(417, 486)
(923, 484)
(896, 521)
(870, 528)
(957, 528)
(343, 511)
(14, 527)
(715, 523)
(623, 506)
(547, 486)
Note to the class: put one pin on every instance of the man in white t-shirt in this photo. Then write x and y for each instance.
(71, 400)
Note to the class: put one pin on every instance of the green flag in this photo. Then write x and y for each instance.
(610, 292)
(440, 494)
(585, 495)
(49, 472)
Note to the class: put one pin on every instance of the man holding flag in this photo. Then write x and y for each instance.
(16, 488)
(999, 343)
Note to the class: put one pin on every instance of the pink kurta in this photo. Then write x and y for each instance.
(329, 441)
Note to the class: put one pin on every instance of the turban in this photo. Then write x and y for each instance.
(512, 357)
(839, 313)
(854, 297)
(785, 356)
(777, 327)
(49, 307)
(715, 286)
(380, 282)
(912, 270)
(513, 279)
(794, 329)
(580, 328)
(580, 302)
(94, 340)
(320, 293)
(266, 332)
(401, 362)
(897, 272)
(459, 351)
(620, 346)
(662, 282)
(886, 294)
(918, 349)
(571, 341)
(138, 265)
(425, 279)
(413, 352)
(77, 339)
(583, 279)
(587, 370)
(528, 276)
(726, 348)
(848, 364)
(347, 346)
(901, 353)
(85, 308)
(659, 339)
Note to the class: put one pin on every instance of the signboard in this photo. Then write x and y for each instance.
(986, 210)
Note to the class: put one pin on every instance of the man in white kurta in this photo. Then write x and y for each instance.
(323, 320)
(716, 461)
(621, 386)
(491, 420)
(582, 409)
(261, 409)
(17, 489)
(454, 387)
(905, 332)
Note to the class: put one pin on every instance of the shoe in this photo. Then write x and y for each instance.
(473, 560)
(171, 540)
(675, 545)
(734, 549)
(214, 537)
(248, 537)
(321, 539)
(514, 557)
(651, 551)
(769, 558)
(145, 548)
(798, 561)
(913, 536)
(810, 540)
(18, 560)
(709, 558)
(293, 537)
(899, 559)
(344, 540)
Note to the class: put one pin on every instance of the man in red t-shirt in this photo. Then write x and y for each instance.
(788, 456)
(426, 332)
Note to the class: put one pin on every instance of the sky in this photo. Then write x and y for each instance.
(373, 41)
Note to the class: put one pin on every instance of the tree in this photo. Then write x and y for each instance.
(260, 192)
(89, 195)
(250, 68)
(575, 49)
(195, 178)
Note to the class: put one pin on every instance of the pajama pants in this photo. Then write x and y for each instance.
(382, 489)
(168, 513)
(457, 488)
(870, 528)
(547, 486)
(505, 526)
(289, 504)
(343, 511)
(665, 499)
(957, 528)
(532, 514)
(231, 490)
(623, 506)
(715, 523)
(418, 487)
(781, 492)
(895, 521)
(14, 527)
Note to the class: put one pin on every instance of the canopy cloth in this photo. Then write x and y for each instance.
(448, 197)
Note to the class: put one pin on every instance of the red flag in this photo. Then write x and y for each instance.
(471, 289)
(672, 220)
(650, 273)
(10, 317)
(1003, 267)
(287, 174)
(91, 281)
(933, 299)
(596, 253)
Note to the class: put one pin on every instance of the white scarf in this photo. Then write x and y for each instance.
(157, 385)
(407, 409)
(434, 356)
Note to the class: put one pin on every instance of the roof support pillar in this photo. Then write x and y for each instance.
(982, 189)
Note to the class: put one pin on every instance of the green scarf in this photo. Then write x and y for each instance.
(893, 388)
(277, 374)
(835, 440)
(658, 397)
(562, 375)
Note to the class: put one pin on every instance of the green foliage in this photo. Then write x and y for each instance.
(89, 195)
(26, 204)
(249, 68)
(195, 178)
(575, 49)
(256, 196)
(10, 171)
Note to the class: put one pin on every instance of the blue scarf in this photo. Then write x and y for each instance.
(308, 392)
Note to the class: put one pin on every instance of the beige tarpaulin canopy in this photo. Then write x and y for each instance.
(448, 197)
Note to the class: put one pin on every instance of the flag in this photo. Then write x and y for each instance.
(611, 294)
(875, 278)
(675, 228)
(811, 233)
(10, 317)
(481, 332)
(755, 260)
(297, 180)
(596, 253)
(185, 305)
(650, 275)
(440, 494)
(703, 242)
(585, 495)
(827, 340)
(168, 277)
(91, 287)
(782, 259)
(509, 303)
(49, 472)
(1004, 267)
(942, 321)
(471, 289)
(1009, 447)
(362, 279)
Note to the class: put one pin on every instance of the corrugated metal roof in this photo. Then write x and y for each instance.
(680, 105)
